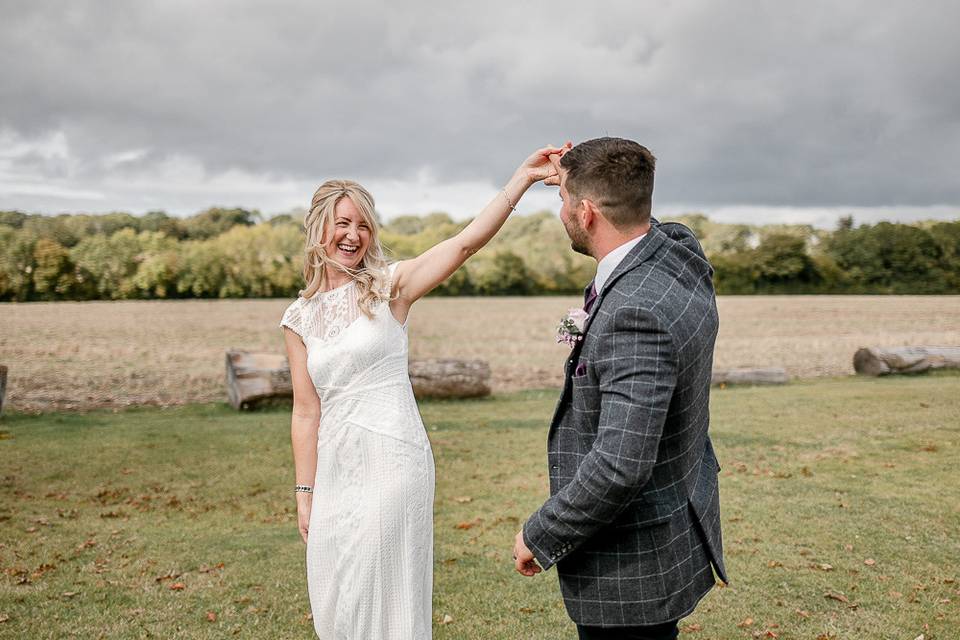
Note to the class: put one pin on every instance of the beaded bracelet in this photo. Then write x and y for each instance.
(302, 488)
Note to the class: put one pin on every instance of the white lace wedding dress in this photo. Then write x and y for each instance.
(370, 541)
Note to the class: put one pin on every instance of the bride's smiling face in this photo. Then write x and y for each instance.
(350, 235)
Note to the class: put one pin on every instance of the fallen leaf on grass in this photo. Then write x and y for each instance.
(803, 613)
(526, 610)
(178, 586)
(773, 564)
(211, 616)
(167, 576)
(463, 499)
(869, 562)
(206, 569)
(839, 597)
(691, 628)
(4, 617)
(69, 594)
(447, 619)
(86, 544)
(746, 622)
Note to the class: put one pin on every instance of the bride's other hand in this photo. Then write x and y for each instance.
(304, 505)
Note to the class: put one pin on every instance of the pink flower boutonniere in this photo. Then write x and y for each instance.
(570, 329)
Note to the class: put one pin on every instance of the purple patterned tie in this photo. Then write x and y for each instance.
(590, 297)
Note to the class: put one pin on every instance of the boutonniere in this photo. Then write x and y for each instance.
(570, 329)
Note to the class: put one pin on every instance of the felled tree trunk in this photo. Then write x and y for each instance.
(254, 378)
(3, 385)
(445, 378)
(874, 361)
(773, 375)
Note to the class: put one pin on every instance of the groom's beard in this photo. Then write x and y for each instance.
(579, 240)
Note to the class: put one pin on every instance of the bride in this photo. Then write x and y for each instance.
(364, 468)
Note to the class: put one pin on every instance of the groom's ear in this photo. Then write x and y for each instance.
(590, 212)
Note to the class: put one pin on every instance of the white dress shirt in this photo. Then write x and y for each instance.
(612, 260)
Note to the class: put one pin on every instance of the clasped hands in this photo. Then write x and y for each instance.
(544, 164)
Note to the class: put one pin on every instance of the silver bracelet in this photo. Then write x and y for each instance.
(507, 198)
(302, 488)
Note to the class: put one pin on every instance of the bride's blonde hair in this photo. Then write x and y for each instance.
(370, 275)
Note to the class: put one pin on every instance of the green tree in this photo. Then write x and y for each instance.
(216, 220)
(783, 264)
(53, 275)
(111, 262)
(735, 273)
(160, 222)
(888, 258)
(17, 263)
(503, 274)
(12, 218)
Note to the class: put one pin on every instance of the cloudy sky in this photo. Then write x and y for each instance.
(757, 110)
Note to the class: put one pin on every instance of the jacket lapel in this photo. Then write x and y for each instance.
(644, 249)
(640, 253)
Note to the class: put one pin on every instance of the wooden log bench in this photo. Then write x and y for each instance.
(255, 378)
(877, 361)
(770, 375)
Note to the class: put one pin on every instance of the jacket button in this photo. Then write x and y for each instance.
(554, 467)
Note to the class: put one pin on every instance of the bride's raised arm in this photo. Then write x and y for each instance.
(415, 277)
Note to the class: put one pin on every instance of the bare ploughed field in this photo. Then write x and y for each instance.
(74, 355)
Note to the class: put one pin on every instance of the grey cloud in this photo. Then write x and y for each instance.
(788, 103)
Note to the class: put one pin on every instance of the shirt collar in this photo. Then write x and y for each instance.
(612, 260)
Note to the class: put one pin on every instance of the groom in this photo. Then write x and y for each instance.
(633, 518)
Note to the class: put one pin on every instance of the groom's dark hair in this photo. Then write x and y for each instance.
(616, 174)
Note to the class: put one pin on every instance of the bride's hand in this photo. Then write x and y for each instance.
(304, 505)
(539, 165)
(554, 179)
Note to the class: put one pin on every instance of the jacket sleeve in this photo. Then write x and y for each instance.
(636, 381)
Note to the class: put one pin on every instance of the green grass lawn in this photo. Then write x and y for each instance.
(840, 499)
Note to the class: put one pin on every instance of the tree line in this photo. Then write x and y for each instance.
(237, 253)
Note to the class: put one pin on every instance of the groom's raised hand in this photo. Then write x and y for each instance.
(523, 558)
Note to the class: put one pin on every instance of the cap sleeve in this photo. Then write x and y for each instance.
(292, 317)
(391, 270)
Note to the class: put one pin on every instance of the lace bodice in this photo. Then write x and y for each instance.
(326, 313)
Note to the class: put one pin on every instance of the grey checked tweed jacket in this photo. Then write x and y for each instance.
(633, 519)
